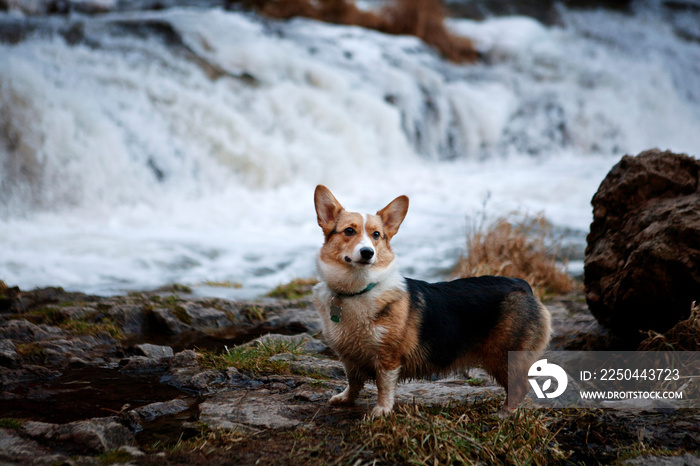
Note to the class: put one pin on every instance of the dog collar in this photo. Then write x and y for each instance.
(337, 309)
(350, 295)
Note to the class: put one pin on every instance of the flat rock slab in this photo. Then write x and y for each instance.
(263, 409)
(437, 392)
(96, 435)
(443, 391)
(154, 351)
(683, 460)
(15, 449)
(311, 365)
(300, 318)
(165, 408)
(243, 410)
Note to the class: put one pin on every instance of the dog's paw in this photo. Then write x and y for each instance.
(379, 411)
(505, 413)
(341, 399)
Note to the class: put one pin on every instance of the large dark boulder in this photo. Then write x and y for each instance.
(642, 265)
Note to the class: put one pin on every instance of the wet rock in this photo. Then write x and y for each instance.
(93, 348)
(143, 365)
(203, 318)
(313, 394)
(203, 381)
(24, 331)
(295, 319)
(442, 391)
(640, 270)
(166, 408)
(237, 379)
(52, 295)
(130, 318)
(96, 435)
(168, 323)
(682, 460)
(154, 351)
(9, 296)
(309, 365)
(15, 449)
(28, 373)
(186, 358)
(8, 354)
(245, 410)
(76, 312)
(194, 379)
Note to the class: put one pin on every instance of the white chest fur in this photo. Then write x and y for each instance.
(356, 335)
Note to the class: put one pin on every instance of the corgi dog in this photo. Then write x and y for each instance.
(387, 328)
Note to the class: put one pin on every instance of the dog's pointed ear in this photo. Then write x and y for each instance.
(327, 209)
(393, 214)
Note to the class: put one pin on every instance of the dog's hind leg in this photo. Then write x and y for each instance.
(356, 382)
(511, 375)
(516, 388)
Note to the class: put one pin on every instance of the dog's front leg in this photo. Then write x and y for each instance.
(348, 396)
(387, 380)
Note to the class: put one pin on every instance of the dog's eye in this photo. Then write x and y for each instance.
(349, 231)
(376, 235)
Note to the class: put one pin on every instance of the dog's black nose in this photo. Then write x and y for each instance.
(367, 253)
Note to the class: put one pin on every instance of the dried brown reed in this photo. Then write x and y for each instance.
(421, 18)
(684, 336)
(525, 249)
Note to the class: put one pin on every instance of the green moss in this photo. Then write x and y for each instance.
(3, 290)
(182, 315)
(475, 381)
(114, 457)
(172, 303)
(222, 284)
(48, 315)
(319, 382)
(11, 423)
(180, 288)
(31, 351)
(86, 327)
(253, 313)
(294, 290)
(254, 358)
(312, 374)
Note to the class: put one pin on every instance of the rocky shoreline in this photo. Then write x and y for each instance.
(134, 379)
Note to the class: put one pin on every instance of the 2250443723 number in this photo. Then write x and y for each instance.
(639, 374)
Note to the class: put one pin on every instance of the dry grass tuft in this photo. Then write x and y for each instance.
(525, 249)
(255, 357)
(459, 433)
(421, 18)
(681, 337)
(295, 289)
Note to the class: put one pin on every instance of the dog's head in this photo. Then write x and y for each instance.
(357, 241)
